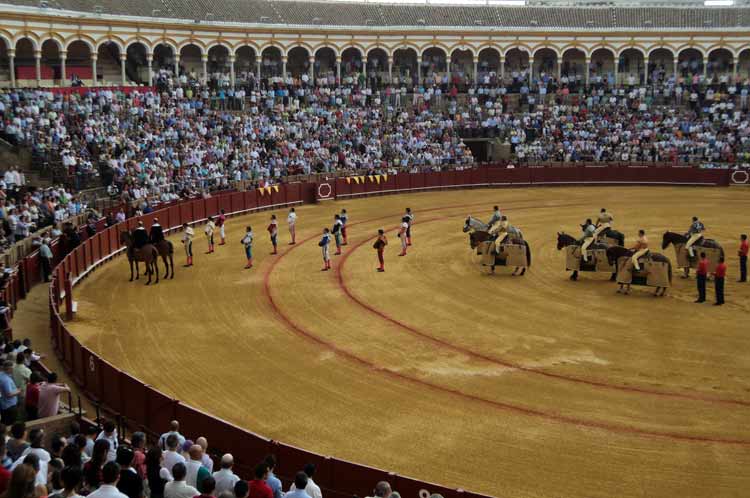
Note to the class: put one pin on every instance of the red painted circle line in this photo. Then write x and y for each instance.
(506, 363)
(625, 429)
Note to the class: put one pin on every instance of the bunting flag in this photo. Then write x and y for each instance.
(356, 180)
(362, 179)
(348, 180)
(268, 190)
(385, 178)
(276, 188)
(372, 179)
(261, 190)
(377, 179)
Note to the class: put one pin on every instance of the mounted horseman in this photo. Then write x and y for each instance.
(639, 266)
(586, 254)
(501, 244)
(163, 246)
(685, 244)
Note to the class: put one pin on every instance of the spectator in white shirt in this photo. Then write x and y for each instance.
(312, 489)
(108, 489)
(225, 478)
(36, 439)
(196, 472)
(174, 426)
(178, 488)
(110, 435)
(172, 455)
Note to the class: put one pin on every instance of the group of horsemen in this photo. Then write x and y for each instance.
(500, 228)
(142, 238)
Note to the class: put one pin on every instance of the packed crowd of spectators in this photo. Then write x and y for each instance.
(96, 462)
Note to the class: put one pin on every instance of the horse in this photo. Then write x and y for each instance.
(618, 254)
(617, 238)
(147, 254)
(481, 240)
(713, 251)
(165, 248)
(565, 240)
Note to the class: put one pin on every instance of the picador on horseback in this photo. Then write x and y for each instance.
(140, 237)
(588, 253)
(499, 242)
(685, 247)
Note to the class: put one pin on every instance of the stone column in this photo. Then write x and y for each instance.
(502, 68)
(364, 70)
(94, 81)
(588, 70)
(311, 69)
(204, 60)
(63, 71)
(735, 63)
(123, 62)
(390, 69)
(258, 69)
(617, 71)
(645, 71)
(176, 65)
(676, 67)
(476, 72)
(558, 62)
(232, 58)
(38, 67)
(531, 71)
(338, 69)
(12, 63)
(705, 68)
(283, 68)
(150, 62)
(419, 70)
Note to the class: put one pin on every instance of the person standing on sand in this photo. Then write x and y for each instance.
(379, 246)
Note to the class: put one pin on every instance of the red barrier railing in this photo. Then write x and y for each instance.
(146, 407)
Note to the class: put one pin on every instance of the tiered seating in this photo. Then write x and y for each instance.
(301, 12)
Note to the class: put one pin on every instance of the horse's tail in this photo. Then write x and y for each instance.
(528, 253)
(669, 271)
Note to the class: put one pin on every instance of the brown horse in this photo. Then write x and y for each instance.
(147, 254)
(619, 256)
(166, 251)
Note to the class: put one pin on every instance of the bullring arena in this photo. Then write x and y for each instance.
(519, 382)
(433, 376)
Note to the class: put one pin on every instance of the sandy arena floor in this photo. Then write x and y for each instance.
(519, 387)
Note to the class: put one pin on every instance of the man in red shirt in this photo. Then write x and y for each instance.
(702, 274)
(258, 486)
(719, 275)
(743, 257)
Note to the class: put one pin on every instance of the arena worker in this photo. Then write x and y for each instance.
(410, 221)
(344, 217)
(247, 241)
(209, 231)
(701, 274)
(220, 222)
(742, 253)
(187, 243)
(325, 241)
(720, 273)
(291, 221)
(336, 231)
(273, 231)
(379, 246)
(402, 234)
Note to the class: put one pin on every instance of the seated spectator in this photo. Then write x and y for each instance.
(108, 488)
(179, 488)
